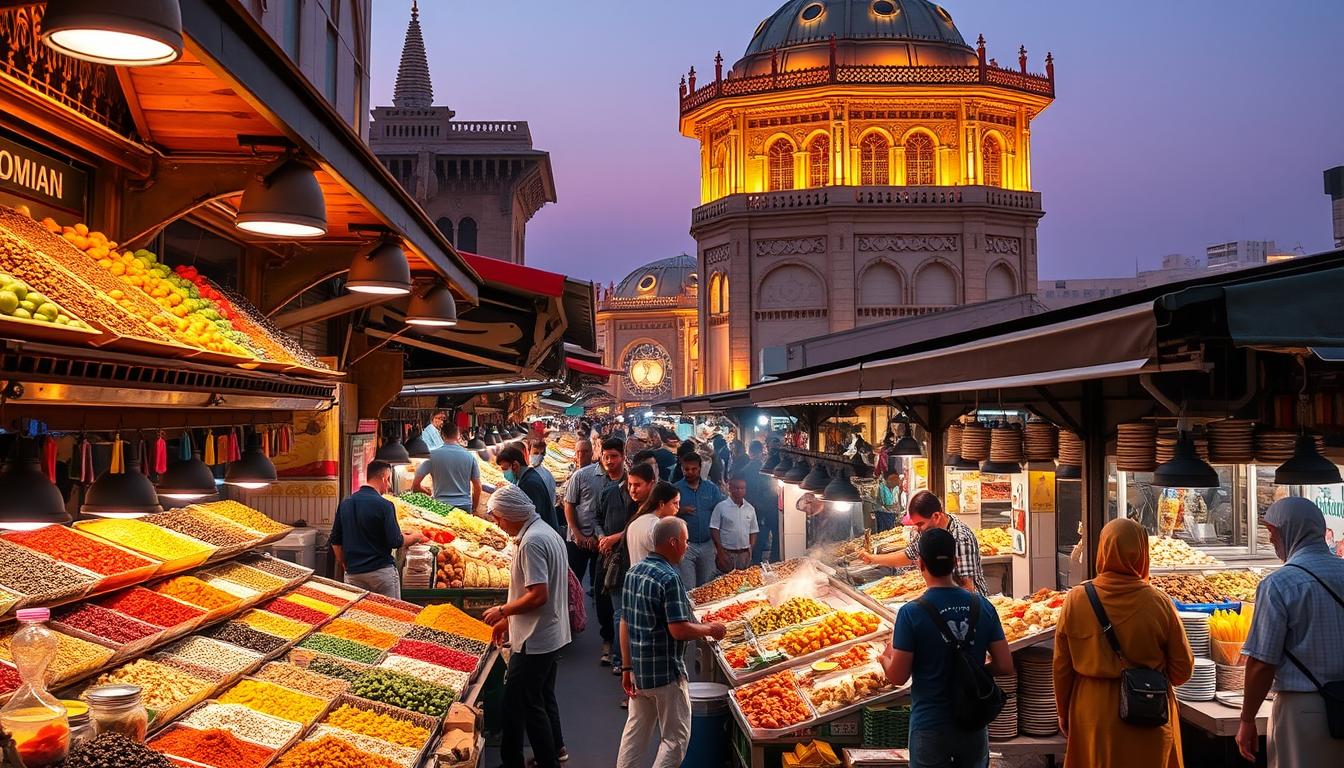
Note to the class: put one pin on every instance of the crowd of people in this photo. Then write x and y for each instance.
(643, 524)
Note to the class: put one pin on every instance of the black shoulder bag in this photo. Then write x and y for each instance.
(1333, 691)
(976, 698)
(1143, 692)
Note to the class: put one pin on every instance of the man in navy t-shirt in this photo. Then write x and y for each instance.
(919, 649)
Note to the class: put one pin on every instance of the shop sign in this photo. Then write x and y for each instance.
(1330, 499)
(42, 182)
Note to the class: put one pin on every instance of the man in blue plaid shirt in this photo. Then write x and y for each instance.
(657, 622)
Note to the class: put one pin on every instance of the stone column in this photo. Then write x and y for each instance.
(842, 297)
(973, 261)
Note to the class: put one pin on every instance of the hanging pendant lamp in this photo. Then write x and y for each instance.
(841, 493)
(433, 307)
(381, 269)
(253, 470)
(816, 480)
(28, 499)
(960, 464)
(782, 468)
(1186, 469)
(416, 447)
(131, 33)
(475, 443)
(771, 461)
(122, 494)
(798, 472)
(188, 480)
(285, 202)
(1307, 466)
(906, 445)
(393, 452)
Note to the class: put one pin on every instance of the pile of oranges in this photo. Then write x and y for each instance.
(772, 703)
(836, 628)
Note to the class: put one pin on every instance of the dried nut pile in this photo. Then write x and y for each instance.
(246, 722)
(109, 625)
(448, 678)
(329, 752)
(1239, 585)
(1167, 552)
(112, 750)
(144, 537)
(402, 756)
(448, 640)
(211, 530)
(28, 573)
(1188, 588)
(248, 577)
(302, 680)
(243, 515)
(339, 646)
(87, 553)
(275, 700)
(360, 633)
(274, 624)
(212, 654)
(378, 725)
(243, 636)
(161, 686)
(380, 623)
(795, 610)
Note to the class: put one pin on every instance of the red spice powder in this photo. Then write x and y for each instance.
(391, 602)
(213, 747)
(388, 611)
(283, 607)
(101, 622)
(435, 654)
(9, 678)
(151, 607)
(70, 547)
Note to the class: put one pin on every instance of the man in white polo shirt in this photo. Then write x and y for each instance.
(733, 528)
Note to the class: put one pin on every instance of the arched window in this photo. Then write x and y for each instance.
(991, 156)
(723, 295)
(781, 166)
(445, 226)
(715, 306)
(874, 165)
(935, 286)
(466, 235)
(819, 159)
(720, 171)
(881, 285)
(1000, 283)
(919, 164)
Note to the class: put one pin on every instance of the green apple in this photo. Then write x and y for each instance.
(48, 310)
(8, 302)
(18, 289)
(23, 313)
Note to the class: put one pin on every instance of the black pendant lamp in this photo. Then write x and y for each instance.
(393, 452)
(253, 469)
(1068, 472)
(416, 447)
(132, 33)
(432, 307)
(475, 443)
(188, 480)
(285, 202)
(840, 493)
(960, 464)
(906, 445)
(1186, 469)
(1307, 466)
(122, 494)
(771, 461)
(816, 480)
(782, 467)
(491, 438)
(798, 472)
(381, 269)
(1000, 467)
(28, 499)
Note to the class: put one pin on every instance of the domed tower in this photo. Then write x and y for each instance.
(860, 162)
(646, 326)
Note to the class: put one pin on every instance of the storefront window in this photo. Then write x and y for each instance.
(1330, 498)
(1205, 518)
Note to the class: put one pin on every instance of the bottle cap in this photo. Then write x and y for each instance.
(113, 695)
(34, 614)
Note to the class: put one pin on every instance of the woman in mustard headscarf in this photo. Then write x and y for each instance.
(1087, 670)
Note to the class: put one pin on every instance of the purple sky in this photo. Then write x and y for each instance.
(1176, 124)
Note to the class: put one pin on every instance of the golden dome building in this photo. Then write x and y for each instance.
(860, 162)
(647, 326)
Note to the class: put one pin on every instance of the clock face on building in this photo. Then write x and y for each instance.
(647, 370)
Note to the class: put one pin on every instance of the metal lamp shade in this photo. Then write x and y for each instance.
(435, 308)
(491, 438)
(1068, 472)
(1001, 467)
(126, 34)
(476, 443)
(816, 480)
(799, 472)
(961, 464)
(287, 202)
(28, 499)
(1186, 469)
(907, 446)
(123, 494)
(783, 466)
(772, 461)
(188, 480)
(393, 452)
(1307, 466)
(416, 447)
(841, 491)
(253, 470)
(381, 269)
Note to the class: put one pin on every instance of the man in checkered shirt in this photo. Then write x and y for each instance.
(656, 624)
(924, 512)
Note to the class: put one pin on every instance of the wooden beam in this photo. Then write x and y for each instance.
(327, 310)
(133, 104)
(179, 186)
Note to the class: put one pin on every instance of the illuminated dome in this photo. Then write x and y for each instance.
(676, 276)
(867, 33)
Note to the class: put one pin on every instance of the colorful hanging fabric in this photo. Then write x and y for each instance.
(210, 447)
(49, 457)
(184, 447)
(286, 438)
(86, 463)
(234, 441)
(222, 448)
(74, 468)
(160, 454)
(118, 460)
(266, 442)
(142, 448)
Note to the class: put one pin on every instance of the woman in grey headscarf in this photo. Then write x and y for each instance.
(1294, 641)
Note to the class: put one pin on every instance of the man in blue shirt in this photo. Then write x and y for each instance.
(657, 624)
(698, 499)
(432, 434)
(918, 648)
(365, 533)
(454, 471)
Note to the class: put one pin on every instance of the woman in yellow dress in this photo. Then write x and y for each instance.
(1087, 670)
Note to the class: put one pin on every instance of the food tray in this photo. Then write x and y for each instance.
(262, 537)
(127, 578)
(121, 653)
(1033, 639)
(427, 722)
(883, 631)
(275, 754)
(186, 627)
(1208, 608)
(23, 600)
(882, 697)
(385, 748)
(35, 330)
(307, 572)
(169, 566)
(322, 713)
(765, 734)
(359, 594)
(7, 603)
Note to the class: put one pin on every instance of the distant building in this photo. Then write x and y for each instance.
(1239, 254)
(481, 181)
(647, 326)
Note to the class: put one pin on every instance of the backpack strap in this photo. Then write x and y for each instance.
(1289, 653)
(941, 623)
(1104, 621)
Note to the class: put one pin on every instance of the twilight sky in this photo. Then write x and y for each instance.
(1177, 124)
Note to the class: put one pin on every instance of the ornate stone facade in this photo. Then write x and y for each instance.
(648, 327)
(853, 170)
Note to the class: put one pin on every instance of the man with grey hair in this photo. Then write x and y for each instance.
(535, 623)
(657, 622)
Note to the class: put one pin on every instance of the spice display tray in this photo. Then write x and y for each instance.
(322, 713)
(116, 581)
(70, 594)
(169, 566)
(762, 734)
(275, 754)
(124, 651)
(427, 722)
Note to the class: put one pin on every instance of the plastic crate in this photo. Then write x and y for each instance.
(886, 727)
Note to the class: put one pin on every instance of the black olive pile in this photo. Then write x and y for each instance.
(112, 750)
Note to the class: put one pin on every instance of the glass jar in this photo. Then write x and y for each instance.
(33, 718)
(118, 709)
(81, 727)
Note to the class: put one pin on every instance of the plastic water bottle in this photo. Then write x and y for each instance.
(34, 718)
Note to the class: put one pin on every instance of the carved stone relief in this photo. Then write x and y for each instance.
(909, 243)
(1006, 246)
(800, 246)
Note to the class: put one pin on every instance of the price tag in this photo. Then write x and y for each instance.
(845, 728)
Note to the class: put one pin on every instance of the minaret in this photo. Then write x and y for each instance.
(414, 87)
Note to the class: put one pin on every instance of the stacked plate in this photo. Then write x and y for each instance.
(1166, 445)
(1232, 441)
(1070, 449)
(1036, 693)
(1006, 444)
(1203, 683)
(1042, 440)
(975, 439)
(1273, 446)
(1136, 447)
(1005, 725)
(1231, 678)
(1197, 632)
(954, 433)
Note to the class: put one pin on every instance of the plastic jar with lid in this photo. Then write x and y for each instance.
(81, 727)
(118, 709)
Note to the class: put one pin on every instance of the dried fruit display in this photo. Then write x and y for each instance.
(456, 569)
(902, 586)
(1166, 552)
(834, 629)
(994, 541)
(734, 611)
(1188, 588)
(1238, 585)
(793, 611)
(772, 703)
(844, 690)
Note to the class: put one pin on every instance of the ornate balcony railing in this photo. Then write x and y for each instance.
(866, 197)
